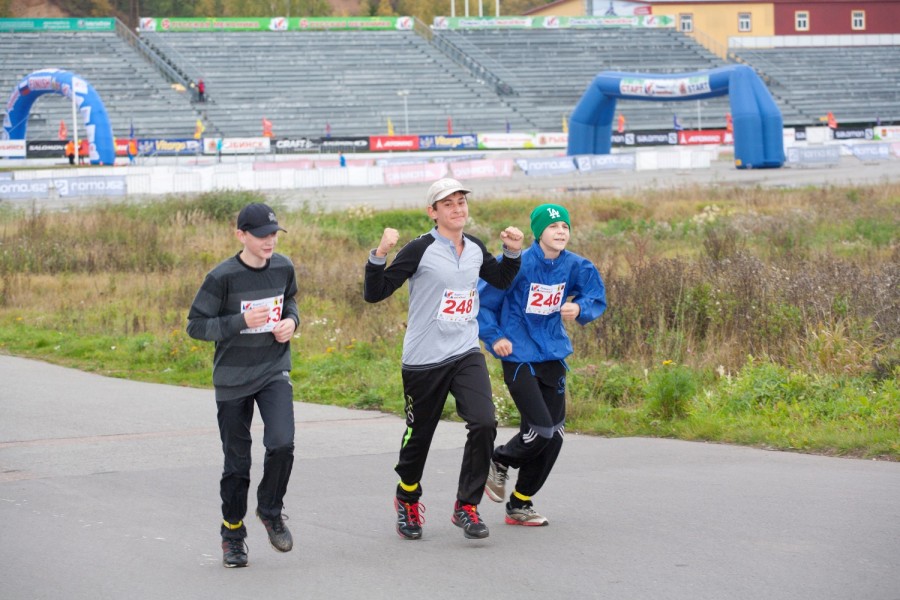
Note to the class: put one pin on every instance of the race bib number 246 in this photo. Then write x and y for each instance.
(544, 299)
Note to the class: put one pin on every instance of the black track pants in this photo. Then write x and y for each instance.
(426, 393)
(541, 400)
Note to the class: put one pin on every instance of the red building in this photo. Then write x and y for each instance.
(830, 17)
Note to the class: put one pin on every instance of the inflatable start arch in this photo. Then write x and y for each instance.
(64, 83)
(758, 137)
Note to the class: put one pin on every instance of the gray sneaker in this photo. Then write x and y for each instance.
(525, 516)
(495, 487)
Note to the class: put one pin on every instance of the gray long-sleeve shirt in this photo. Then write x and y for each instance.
(443, 293)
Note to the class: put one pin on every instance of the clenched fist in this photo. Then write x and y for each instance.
(512, 238)
(388, 240)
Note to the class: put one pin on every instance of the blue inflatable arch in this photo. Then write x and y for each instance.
(90, 107)
(758, 141)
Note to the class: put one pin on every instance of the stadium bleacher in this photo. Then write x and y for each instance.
(551, 68)
(348, 81)
(855, 83)
(132, 89)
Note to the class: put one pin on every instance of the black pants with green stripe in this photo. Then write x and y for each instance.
(426, 392)
(539, 391)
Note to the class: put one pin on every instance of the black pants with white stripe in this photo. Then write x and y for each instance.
(539, 391)
(426, 392)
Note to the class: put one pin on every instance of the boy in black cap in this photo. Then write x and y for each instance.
(246, 306)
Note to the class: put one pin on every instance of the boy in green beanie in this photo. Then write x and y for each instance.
(523, 327)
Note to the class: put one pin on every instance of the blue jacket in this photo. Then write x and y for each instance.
(527, 313)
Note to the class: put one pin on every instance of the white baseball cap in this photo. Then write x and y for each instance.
(442, 188)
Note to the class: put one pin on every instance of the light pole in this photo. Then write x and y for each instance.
(404, 94)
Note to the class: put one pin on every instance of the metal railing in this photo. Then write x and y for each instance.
(160, 59)
(476, 61)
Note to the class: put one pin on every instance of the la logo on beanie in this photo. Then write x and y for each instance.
(544, 215)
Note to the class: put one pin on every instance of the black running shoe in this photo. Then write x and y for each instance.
(279, 535)
(234, 552)
(467, 517)
(410, 518)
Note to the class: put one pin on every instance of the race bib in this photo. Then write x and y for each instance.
(457, 306)
(545, 299)
(275, 305)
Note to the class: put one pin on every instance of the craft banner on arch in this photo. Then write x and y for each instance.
(90, 108)
(757, 121)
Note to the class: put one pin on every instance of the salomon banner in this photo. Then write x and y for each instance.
(45, 149)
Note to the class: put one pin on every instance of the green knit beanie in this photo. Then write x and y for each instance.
(544, 215)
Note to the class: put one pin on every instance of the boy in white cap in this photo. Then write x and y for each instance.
(246, 306)
(523, 327)
(441, 354)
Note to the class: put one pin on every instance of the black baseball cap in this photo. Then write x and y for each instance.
(258, 220)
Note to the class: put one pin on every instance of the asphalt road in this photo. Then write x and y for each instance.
(109, 489)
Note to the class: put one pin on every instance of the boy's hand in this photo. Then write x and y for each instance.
(503, 347)
(512, 238)
(284, 330)
(569, 311)
(388, 240)
(256, 317)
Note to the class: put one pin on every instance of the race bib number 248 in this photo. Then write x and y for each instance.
(457, 306)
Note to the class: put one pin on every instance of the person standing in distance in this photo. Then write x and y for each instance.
(441, 353)
(523, 327)
(246, 306)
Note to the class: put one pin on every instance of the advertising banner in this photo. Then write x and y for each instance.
(389, 143)
(854, 133)
(466, 141)
(551, 140)
(45, 148)
(887, 133)
(170, 147)
(12, 148)
(479, 169)
(295, 145)
(814, 155)
(344, 144)
(256, 145)
(590, 22)
(69, 187)
(179, 24)
(24, 189)
(705, 136)
(867, 152)
(546, 166)
(401, 174)
(99, 24)
(606, 162)
(505, 140)
(645, 138)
